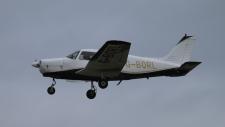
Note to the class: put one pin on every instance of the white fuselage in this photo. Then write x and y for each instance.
(134, 65)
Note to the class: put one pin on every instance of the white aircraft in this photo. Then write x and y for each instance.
(112, 62)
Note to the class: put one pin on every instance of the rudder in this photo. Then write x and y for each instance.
(181, 53)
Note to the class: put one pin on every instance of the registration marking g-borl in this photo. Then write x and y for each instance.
(141, 65)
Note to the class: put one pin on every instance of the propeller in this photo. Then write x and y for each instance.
(36, 63)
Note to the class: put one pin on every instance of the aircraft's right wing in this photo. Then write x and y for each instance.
(108, 61)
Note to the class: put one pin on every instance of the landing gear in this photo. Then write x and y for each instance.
(103, 84)
(91, 94)
(51, 89)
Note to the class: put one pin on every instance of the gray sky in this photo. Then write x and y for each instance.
(34, 29)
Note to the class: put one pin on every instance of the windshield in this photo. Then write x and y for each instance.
(86, 55)
(73, 55)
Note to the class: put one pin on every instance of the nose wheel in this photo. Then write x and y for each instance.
(91, 93)
(51, 89)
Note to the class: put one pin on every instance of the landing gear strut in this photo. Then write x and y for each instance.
(51, 89)
(91, 93)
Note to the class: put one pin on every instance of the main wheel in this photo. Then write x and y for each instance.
(103, 84)
(51, 90)
(91, 94)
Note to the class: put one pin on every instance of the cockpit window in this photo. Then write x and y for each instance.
(73, 55)
(86, 55)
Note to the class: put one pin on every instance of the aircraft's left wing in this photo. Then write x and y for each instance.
(108, 61)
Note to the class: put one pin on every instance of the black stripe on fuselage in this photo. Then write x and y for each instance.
(69, 74)
(72, 75)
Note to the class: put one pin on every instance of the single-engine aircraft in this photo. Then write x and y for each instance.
(112, 62)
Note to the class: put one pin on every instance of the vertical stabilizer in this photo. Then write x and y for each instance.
(181, 53)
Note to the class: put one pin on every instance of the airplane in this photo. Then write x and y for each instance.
(112, 62)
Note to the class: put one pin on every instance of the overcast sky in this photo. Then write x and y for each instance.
(35, 29)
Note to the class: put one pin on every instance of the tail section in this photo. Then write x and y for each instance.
(181, 53)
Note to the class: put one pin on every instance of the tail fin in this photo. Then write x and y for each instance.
(181, 53)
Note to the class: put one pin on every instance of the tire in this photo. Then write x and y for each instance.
(51, 90)
(103, 84)
(91, 94)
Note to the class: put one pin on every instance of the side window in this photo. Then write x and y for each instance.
(73, 55)
(86, 55)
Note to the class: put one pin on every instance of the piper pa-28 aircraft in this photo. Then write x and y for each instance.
(112, 62)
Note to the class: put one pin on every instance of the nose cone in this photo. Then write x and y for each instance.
(36, 64)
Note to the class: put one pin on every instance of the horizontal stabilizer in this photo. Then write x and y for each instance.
(184, 69)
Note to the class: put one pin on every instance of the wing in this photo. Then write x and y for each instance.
(108, 61)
